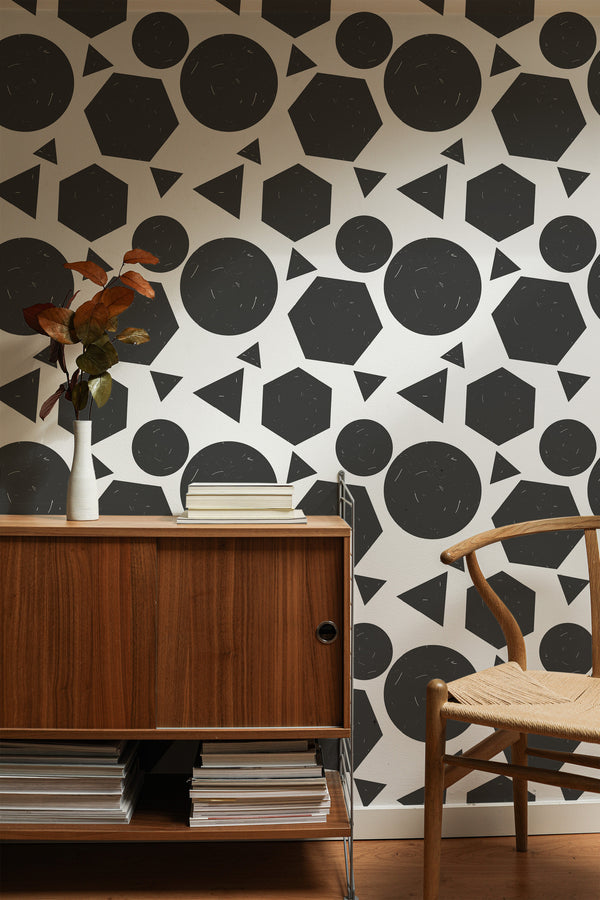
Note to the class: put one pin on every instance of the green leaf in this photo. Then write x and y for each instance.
(93, 360)
(80, 394)
(133, 336)
(100, 388)
(108, 347)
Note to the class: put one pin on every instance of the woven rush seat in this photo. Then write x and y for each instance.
(554, 703)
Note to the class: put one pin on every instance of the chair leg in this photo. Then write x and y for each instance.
(435, 747)
(519, 758)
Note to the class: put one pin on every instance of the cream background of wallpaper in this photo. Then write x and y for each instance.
(403, 357)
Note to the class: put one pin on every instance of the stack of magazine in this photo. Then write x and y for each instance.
(216, 503)
(258, 783)
(68, 782)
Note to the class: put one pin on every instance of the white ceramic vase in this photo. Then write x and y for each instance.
(82, 493)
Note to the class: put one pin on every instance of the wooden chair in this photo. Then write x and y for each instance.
(513, 700)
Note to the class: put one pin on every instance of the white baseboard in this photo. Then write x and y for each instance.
(467, 820)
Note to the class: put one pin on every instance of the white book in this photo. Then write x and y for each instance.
(283, 746)
(239, 501)
(244, 488)
(235, 512)
(232, 519)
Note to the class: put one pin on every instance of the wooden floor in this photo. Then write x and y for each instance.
(555, 868)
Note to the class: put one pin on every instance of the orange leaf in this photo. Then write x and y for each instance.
(58, 323)
(140, 256)
(90, 320)
(31, 313)
(117, 299)
(139, 284)
(134, 336)
(89, 270)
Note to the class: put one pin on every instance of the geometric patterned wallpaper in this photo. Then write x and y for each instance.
(378, 251)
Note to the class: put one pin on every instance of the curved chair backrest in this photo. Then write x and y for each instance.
(514, 638)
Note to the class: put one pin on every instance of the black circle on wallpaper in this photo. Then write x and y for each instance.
(567, 648)
(31, 271)
(372, 651)
(166, 238)
(160, 40)
(228, 286)
(33, 479)
(432, 286)
(432, 490)
(36, 82)
(432, 82)
(228, 82)
(160, 447)
(406, 687)
(594, 82)
(567, 40)
(568, 447)
(227, 461)
(364, 40)
(593, 286)
(364, 243)
(364, 447)
(593, 489)
(568, 243)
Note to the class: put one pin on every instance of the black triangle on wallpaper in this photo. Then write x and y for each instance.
(92, 256)
(502, 62)
(456, 356)
(251, 151)
(368, 179)
(298, 265)
(368, 790)
(29, 5)
(251, 355)
(298, 62)
(428, 598)
(571, 179)
(22, 394)
(368, 587)
(435, 5)
(22, 190)
(298, 468)
(502, 469)
(428, 190)
(429, 394)
(455, 151)
(100, 470)
(572, 383)
(47, 152)
(95, 62)
(571, 586)
(502, 265)
(368, 383)
(225, 190)
(225, 394)
(164, 179)
(233, 5)
(164, 383)
(44, 356)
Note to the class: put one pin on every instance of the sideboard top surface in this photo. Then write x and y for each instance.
(162, 526)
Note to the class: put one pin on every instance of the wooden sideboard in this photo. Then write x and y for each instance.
(136, 627)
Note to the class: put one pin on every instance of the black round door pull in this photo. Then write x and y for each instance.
(327, 632)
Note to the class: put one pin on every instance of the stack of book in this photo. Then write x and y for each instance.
(68, 782)
(214, 503)
(258, 783)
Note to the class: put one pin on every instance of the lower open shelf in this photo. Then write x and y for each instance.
(162, 814)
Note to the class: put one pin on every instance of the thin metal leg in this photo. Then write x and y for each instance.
(346, 762)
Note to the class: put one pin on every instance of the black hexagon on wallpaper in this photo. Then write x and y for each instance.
(335, 116)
